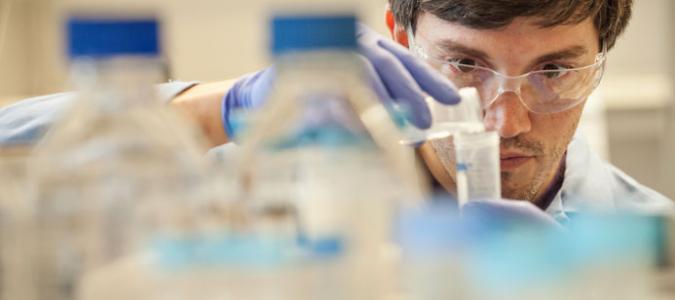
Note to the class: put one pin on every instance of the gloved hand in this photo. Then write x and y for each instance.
(250, 91)
(398, 78)
(439, 227)
(506, 213)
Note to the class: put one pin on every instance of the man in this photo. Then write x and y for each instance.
(540, 160)
(534, 63)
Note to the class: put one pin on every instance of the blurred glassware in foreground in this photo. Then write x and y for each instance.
(451, 255)
(13, 187)
(323, 146)
(314, 185)
(447, 119)
(115, 166)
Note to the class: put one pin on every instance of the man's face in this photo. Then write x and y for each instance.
(532, 145)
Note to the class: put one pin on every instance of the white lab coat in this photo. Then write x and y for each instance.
(591, 183)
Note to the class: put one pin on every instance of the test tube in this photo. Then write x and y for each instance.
(448, 119)
(478, 173)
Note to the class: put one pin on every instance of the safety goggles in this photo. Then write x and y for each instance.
(541, 91)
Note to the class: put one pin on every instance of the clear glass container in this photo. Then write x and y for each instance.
(118, 166)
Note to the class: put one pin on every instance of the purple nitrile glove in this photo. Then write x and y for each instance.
(250, 91)
(399, 80)
(504, 213)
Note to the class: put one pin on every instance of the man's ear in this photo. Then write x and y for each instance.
(397, 31)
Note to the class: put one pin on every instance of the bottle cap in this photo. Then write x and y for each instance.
(312, 32)
(105, 37)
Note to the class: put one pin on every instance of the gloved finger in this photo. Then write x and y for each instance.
(401, 85)
(430, 80)
(250, 90)
(397, 111)
(508, 212)
(376, 83)
(262, 86)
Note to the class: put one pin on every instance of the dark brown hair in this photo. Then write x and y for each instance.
(610, 16)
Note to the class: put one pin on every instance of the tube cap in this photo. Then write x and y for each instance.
(101, 37)
(312, 32)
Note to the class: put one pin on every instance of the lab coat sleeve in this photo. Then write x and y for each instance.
(26, 121)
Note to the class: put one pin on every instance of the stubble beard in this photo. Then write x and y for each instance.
(511, 188)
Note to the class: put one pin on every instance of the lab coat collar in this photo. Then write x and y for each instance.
(586, 183)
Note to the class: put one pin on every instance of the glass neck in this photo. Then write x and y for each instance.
(119, 82)
(317, 59)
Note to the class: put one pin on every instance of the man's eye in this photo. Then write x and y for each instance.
(554, 71)
(464, 64)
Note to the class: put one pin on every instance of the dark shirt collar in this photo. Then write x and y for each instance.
(547, 198)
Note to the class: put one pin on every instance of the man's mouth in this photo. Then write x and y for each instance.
(509, 161)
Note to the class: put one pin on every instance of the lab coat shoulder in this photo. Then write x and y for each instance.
(25, 122)
(592, 183)
(634, 196)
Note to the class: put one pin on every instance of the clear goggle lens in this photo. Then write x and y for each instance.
(541, 91)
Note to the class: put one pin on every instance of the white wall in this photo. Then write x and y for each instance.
(638, 91)
(646, 46)
(13, 48)
(205, 39)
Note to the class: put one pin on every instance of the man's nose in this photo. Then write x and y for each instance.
(508, 116)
